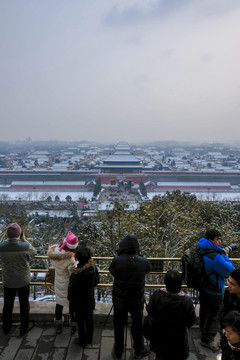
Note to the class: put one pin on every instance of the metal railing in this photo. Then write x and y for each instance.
(106, 272)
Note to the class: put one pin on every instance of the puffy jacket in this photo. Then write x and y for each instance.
(217, 268)
(129, 270)
(81, 286)
(173, 314)
(15, 256)
(230, 302)
(64, 263)
(227, 352)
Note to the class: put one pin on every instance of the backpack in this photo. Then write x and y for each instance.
(193, 269)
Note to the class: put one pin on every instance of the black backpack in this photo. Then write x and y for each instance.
(193, 269)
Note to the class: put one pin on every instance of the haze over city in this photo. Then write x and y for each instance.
(116, 70)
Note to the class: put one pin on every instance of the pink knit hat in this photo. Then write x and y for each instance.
(70, 243)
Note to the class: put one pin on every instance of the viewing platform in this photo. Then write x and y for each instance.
(42, 343)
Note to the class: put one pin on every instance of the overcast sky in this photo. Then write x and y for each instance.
(120, 70)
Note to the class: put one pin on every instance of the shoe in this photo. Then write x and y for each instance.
(73, 325)
(212, 345)
(80, 343)
(141, 353)
(114, 355)
(73, 330)
(59, 329)
(6, 330)
(30, 326)
(59, 325)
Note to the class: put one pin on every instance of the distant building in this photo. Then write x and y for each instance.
(47, 185)
(121, 167)
(194, 186)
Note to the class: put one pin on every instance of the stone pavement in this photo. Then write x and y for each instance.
(42, 343)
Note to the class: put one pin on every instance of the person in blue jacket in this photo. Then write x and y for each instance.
(217, 267)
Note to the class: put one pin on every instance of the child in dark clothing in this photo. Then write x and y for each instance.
(81, 295)
(230, 341)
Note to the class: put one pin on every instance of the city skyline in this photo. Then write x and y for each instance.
(139, 71)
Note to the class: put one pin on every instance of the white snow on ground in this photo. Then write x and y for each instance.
(108, 206)
(42, 195)
(75, 195)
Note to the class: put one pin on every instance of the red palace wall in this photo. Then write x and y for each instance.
(108, 180)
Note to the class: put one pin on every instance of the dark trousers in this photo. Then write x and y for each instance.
(210, 306)
(59, 311)
(9, 297)
(120, 318)
(85, 325)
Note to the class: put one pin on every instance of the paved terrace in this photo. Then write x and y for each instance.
(42, 343)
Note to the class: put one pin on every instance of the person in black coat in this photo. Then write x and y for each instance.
(81, 295)
(230, 341)
(172, 313)
(231, 298)
(129, 269)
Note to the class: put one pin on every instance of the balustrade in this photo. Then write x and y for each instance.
(159, 261)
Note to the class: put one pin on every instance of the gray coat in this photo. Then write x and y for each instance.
(15, 256)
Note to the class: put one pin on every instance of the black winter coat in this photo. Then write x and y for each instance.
(227, 352)
(81, 287)
(129, 270)
(231, 302)
(173, 313)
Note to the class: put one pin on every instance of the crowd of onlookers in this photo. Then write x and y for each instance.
(170, 312)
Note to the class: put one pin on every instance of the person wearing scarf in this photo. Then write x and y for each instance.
(230, 339)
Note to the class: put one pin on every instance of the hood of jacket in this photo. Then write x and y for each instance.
(129, 245)
(54, 253)
(207, 244)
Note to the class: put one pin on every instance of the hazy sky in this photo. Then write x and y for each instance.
(120, 70)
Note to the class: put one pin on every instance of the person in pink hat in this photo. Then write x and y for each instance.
(63, 259)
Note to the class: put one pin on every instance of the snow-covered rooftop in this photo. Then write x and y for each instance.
(121, 159)
(53, 183)
(193, 184)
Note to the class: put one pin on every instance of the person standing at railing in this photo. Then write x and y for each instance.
(129, 269)
(171, 313)
(63, 259)
(217, 267)
(15, 255)
(81, 294)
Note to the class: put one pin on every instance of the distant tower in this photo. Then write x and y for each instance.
(122, 166)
